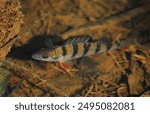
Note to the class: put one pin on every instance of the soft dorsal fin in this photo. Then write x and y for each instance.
(105, 40)
(77, 39)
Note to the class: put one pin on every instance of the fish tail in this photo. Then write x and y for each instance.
(123, 44)
(111, 46)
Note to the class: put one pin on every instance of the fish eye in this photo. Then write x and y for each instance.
(45, 56)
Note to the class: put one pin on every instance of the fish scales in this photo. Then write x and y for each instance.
(72, 51)
(69, 50)
(81, 49)
(91, 49)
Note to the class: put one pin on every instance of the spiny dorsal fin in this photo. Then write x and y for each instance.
(77, 39)
(48, 42)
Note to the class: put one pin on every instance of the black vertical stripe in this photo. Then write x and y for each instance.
(86, 48)
(75, 50)
(106, 42)
(64, 51)
(98, 47)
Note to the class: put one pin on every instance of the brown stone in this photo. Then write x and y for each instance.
(10, 21)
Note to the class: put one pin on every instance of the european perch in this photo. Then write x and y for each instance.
(76, 47)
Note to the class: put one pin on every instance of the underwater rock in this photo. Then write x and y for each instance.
(10, 21)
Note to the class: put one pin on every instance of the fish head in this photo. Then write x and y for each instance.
(46, 54)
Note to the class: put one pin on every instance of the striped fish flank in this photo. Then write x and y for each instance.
(76, 48)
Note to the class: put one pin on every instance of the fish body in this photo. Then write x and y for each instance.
(75, 47)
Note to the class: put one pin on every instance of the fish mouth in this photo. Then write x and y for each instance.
(37, 57)
(34, 56)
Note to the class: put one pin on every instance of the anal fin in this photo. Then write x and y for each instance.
(67, 66)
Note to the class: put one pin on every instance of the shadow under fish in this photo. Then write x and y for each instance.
(25, 51)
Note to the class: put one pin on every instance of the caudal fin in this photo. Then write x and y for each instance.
(124, 44)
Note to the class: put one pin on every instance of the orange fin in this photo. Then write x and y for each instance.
(124, 48)
(65, 66)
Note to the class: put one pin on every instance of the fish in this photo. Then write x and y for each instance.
(76, 47)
